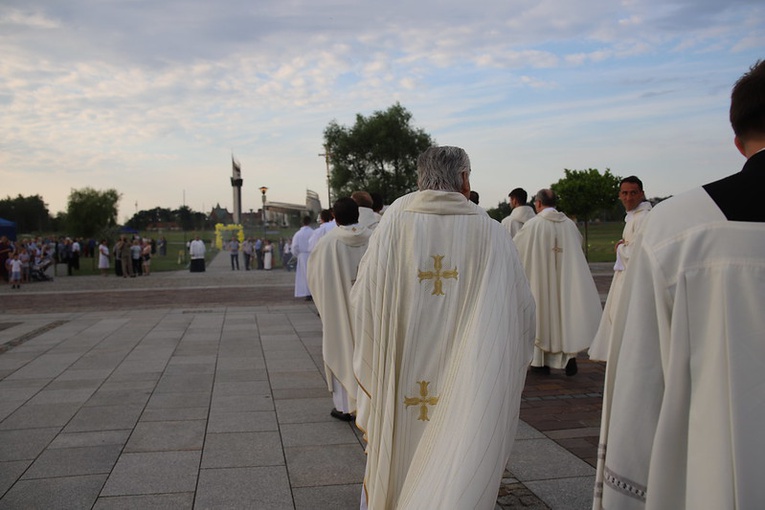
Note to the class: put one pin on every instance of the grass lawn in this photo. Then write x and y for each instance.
(177, 257)
(602, 238)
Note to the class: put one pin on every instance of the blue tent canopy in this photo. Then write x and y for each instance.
(8, 229)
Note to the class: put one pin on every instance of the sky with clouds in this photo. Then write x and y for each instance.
(152, 97)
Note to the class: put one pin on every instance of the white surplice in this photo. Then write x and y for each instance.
(683, 404)
(633, 223)
(517, 218)
(568, 304)
(332, 268)
(368, 218)
(301, 250)
(443, 325)
(320, 232)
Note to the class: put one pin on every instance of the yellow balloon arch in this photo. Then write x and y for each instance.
(228, 230)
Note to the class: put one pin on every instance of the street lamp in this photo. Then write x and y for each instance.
(326, 155)
(263, 190)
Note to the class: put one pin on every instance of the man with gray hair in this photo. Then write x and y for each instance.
(568, 304)
(443, 327)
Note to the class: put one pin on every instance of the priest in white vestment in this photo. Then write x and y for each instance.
(443, 325)
(683, 404)
(332, 268)
(632, 197)
(367, 217)
(327, 223)
(301, 250)
(521, 211)
(197, 254)
(568, 303)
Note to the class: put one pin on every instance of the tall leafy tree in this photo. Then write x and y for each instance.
(29, 213)
(377, 154)
(89, 211)
(585, 193)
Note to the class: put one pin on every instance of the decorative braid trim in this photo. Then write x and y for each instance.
(624, 485)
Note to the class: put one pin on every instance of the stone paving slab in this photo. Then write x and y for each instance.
(110, 400)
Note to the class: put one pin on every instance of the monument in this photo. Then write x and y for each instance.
(236, 183)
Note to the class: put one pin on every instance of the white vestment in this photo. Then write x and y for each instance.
(443, 325)
(332, 268)
(368, 218)
(301, 251)
(568, 304)
(518, 217)
(633, 222)
(197, 249)
(320, 232)
(683, 404)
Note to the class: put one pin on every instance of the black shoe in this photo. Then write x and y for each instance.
(571, 368)
(542, 370)
(309, 298)
(341, 416)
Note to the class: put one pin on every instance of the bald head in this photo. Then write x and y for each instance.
(362, 198)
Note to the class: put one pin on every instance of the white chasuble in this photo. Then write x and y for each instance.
(568, 304)
(332, 268)
(517, 218)
(443, 324)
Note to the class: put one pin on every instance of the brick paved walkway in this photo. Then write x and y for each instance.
(560, 415)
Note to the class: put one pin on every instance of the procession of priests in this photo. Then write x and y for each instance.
(431, 322)
(332, 268)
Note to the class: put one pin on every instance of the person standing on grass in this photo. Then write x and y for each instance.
(103, 257)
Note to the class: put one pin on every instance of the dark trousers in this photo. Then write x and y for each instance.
(235, 261)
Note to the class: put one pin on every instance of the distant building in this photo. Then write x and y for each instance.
(220, 215)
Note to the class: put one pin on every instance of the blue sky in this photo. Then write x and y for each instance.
(151, 98)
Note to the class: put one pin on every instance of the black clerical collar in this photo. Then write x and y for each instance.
(739, 196)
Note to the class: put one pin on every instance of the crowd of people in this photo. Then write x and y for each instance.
(31, 258)
(259, 254)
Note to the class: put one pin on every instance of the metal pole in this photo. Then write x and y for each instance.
(326, 156)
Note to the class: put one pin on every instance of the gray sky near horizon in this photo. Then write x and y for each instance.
(152, 98)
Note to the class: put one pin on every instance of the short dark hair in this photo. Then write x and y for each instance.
(346, 211)
(306, 220)
(632, 179)
(519, 194)
(747, 103)
(474, 197)
(326, 215)
(547, 197)
(377, 201)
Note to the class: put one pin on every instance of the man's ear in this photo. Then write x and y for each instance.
(740, 145)
(465, 185)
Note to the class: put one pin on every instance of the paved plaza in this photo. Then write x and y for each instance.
(206, 390)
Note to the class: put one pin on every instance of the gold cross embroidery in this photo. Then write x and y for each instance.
(437, 275)
(423, 401)
(556, 248)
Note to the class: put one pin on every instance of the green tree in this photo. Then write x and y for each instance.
(377, 154)
(30, 213)
(585, 193)
(89, 211)
(500, 212)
